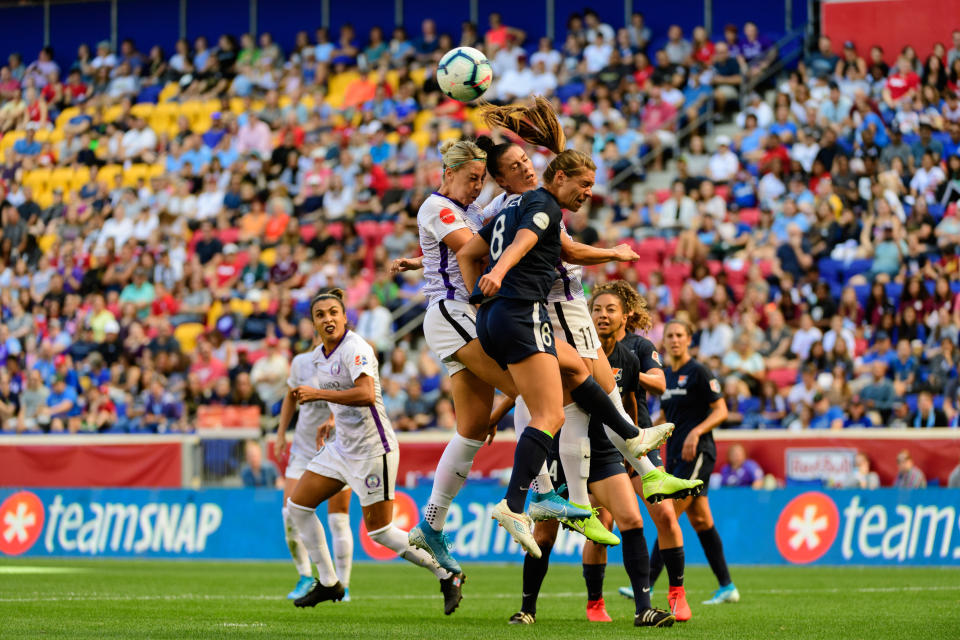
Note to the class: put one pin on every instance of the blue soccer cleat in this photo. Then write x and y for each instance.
(436, 543)
(302, 588)
(627, 592)
(551, 506)
(728, 593)
(346, 595)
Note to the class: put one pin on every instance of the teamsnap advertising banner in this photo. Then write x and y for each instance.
(882, 527)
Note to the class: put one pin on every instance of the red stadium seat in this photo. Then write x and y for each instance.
(750, 216)
(723, 191)
(308, 233)
(229, 235)
(783, 378)
(715, 267)
(662, 195)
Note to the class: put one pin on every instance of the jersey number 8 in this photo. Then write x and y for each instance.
(546, 333)
(496, 238)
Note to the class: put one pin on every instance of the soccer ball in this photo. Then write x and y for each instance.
(464, 74)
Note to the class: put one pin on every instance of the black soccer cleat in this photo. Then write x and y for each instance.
(451, 588)
(522, 617)
(319, 594)
(654, 618)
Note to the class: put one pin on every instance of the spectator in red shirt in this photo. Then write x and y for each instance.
(658, 124)
(164, 303)
(228, 267)
(207, 367)
(901, 86)
(703, 47)
(75, 91)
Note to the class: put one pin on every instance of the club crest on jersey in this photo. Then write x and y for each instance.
(447, 216)
(682, 381)
(360, 361)
(617, 374)
(656, 358)
(715, 385)
(372, 481)
(541, 219)
(335, 368)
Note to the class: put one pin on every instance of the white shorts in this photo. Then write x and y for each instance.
(373, 479)
(448, 326)
(296, 465)
(572, 322)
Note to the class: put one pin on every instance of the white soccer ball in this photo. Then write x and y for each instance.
(464, 74)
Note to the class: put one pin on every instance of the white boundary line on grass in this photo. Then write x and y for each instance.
(76, 596)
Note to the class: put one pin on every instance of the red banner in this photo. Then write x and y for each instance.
(155, 464)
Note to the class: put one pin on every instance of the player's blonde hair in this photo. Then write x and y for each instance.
(457, 153)
(633, 304)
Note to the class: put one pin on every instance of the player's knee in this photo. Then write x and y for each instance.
(630, 521)
(700, 522)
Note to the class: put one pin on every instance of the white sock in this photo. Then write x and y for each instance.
(575, 452)
(297, 551)
(642, 465)
(311, 533)
(395, 539)
(341, 539)
(452, 471)
(543, 483)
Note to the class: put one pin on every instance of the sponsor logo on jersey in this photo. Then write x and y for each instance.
(682, 381)
(807, 527)
(447, 216)
(715, 385)
(360, 361)
(541, 219)
(656, 358)
(21, 522)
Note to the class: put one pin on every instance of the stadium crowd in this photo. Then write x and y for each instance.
(166, 218)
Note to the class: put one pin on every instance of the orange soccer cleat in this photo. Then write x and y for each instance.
(677, 599)
(597, 611)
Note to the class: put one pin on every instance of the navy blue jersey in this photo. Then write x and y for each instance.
(686, 403)
(532, 277)
(625, 369)
(646, 353)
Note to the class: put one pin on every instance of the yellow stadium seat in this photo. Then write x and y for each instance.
(38, 180)
(42, 135)
(107, 174)
(422, 120)
(285, 101)
(61, 178)
(44, 198)
(308, 101)
(450, 134)
(9, 138)
(134, 173)
(393, 138)
(422, 138)
(81, 176)
(155, 170)
(236, 106)
(113, 112)
(66, 115)
(268, 257)
(170, 91)
(418, 76)
(241, 306)
(143, 109)
(164, 115)
(45, 242)
(187, 334)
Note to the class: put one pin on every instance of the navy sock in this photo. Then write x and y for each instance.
(654, 458)
(534, 571)
(636, 561)
(674, 560)
(713, 549)
(528, 458)
(656, 562)
(593, 576)
(594, 400)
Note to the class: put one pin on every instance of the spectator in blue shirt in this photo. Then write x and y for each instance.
(857, 416)
(904, 368)
(822, 63)
(739, 470)
(825, 416)
(160, 409)
(28, 146)
(258, 472)
(62, 410)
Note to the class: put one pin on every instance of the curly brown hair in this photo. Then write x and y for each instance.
(634, 305)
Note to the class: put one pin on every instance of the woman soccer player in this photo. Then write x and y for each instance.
(363, 456)
(447, 220)
(523, 246)
(694, 402)
(619, 314)
(305, 444)
(513, 171)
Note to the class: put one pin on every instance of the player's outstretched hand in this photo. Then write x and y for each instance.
(279, 446)
(304, 393)
(690, 446)
(490, 284)
(406, 264)
(623, 253)
(324, 432)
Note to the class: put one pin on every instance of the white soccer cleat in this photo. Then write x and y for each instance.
(518, 525)
(649, 439)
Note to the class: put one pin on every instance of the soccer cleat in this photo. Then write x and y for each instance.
(592, 529)
(522, 617)
(552, 506)
(436, 543)
(654, 618)
(303, 586)
(451, 588)
(597, 611)
(728, 593)
(519, 526)
(658, 485)
(649, 439)
(320, 593)
(346, 595)
(677, 600)
(627, 592)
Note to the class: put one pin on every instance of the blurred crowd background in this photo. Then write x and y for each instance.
(167, 215)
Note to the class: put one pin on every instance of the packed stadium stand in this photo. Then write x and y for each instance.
(168, 209)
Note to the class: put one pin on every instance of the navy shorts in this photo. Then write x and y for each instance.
(605, 461)
(700, 467)
(512, 330)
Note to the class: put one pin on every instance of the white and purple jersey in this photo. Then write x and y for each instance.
(438, 217)
(568, 285)
(312, 414)
(362, 432)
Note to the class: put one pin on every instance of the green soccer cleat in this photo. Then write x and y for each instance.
(591, 528)
(658, 485)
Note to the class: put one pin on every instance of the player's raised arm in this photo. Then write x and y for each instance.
(470, 257)
(584, 254)
(524, 241)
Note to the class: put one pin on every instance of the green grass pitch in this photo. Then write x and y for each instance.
(156, 599)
